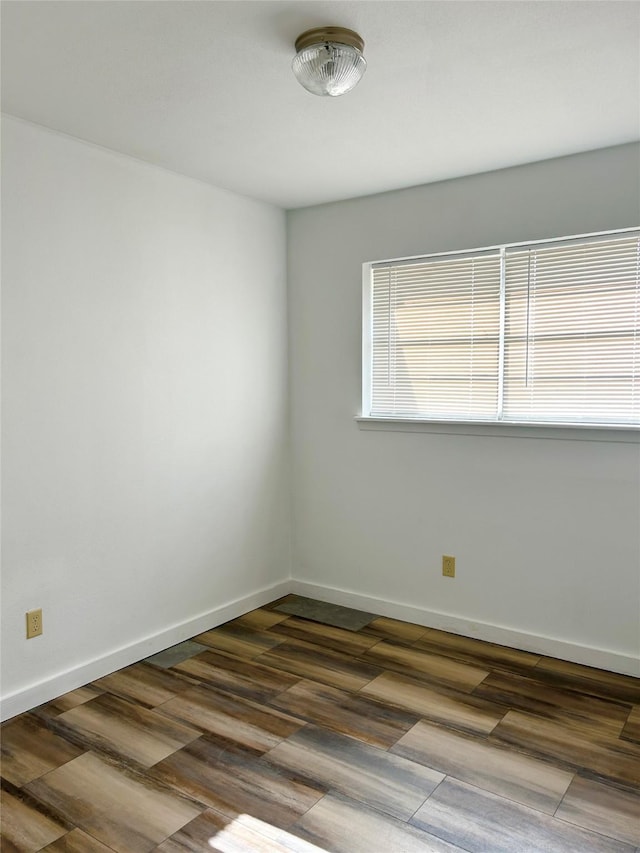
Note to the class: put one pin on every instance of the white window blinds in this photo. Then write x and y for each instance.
(435, 338)
(572, 348)
(539, 333)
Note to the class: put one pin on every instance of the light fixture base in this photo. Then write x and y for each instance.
(339, 35)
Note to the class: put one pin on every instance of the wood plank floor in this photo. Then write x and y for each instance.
(276, 733)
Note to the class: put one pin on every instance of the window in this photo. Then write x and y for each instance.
(545, 332)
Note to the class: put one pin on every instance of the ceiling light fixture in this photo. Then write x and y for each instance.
(329, 60)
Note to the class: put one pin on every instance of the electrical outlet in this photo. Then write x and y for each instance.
(34, 623)
(448, 566)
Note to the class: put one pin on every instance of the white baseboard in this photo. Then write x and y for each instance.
(62, 682)
(586, 655)
(48, 689)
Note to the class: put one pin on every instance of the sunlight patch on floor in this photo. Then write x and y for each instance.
(248, 834)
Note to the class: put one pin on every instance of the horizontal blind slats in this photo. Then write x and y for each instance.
(571, 334)
(572, 347)
(435, 333)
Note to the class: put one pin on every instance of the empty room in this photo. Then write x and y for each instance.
(320, 426)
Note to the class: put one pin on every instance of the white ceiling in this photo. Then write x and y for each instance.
(206, 89)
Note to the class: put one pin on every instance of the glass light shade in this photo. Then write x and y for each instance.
(329, 68)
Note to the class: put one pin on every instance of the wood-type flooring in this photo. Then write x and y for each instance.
(277, 733)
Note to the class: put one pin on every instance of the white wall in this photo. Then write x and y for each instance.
(546, 532)
(144, 409)
(145, 491)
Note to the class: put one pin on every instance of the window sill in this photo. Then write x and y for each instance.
(588, 432)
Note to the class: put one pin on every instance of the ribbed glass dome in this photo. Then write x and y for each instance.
(329, 68)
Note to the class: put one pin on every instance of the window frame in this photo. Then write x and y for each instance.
(626, 432)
